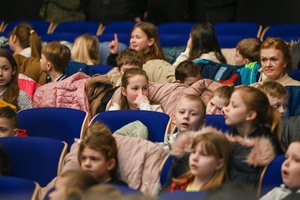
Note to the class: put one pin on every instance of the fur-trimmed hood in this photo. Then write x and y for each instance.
(261, 154)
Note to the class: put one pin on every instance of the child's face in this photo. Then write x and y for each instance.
(6, 73)
(203, 165)
(6, 129)
(95, 163)
(236, 113)
(44, 63)
(290, 169)
(190, 80)
(238, 58)
(136, 85)
(188, 116)
(139, 41)
(280, 104)
(125, 67)
(59, 192)
(215, 105)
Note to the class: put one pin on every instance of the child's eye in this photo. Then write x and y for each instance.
(219, 109)
(145, 88)
(193, 151)
(285, 106)
(5, 68)
(276, 106)
(2, 129)
(94, 159)
(193, 114)
(135, 88)
(83, 158)
(212, 104)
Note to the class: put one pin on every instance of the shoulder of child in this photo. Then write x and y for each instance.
(277, 193)
(115, 106)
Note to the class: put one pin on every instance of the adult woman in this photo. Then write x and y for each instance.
(202, 44)
(276, 59)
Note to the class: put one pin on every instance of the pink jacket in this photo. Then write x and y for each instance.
(27, 84)
(168, 94)
(68, 93)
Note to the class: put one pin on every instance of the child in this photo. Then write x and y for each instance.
(86, 50)
(72, 184)
(25, 41)
(277, 94)
(247, 51)
(134, 89)
(55, 58)
(219, 99)
(290, 171)
(202, 44)
(189, 116)
(208, 161)
(97, 155)
(9, 88)
(255, 134)
(9, 123)
(187, 72)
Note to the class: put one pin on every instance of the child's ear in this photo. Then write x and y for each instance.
(14, 70)
(49, 66)
(15, 132)
(178, 81)
(203, 122)
(14, 38)
(251, 115)
(150, 42)
(220, 164)
(247, 61)
(111, 164)
(123, 91)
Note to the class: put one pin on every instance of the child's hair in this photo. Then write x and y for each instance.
(12, 93)
(130, 57)
(11, 115)
(273, 88)
(58, 54)
(218, 146)
(4, 166)
(267, 115)
(125, 81)
(204, 39)
(280, 45)
(224, 92)
(187, 69)
(28, 38)
(156, 51)
(87, 49)
(78, 181)
(99, 138)
(103, 192)
(195, 98)
(249, 48)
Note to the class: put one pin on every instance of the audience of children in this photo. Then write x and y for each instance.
(290, 172)
(54, 60)
(202, 44)
(25, 41)
(86, 50)
(247, 51)
(9, 123)
(9, 88)
(208, 161)
(277, 94)
(72, 184)
(219, 99)
(276, 59)
(135, 90)
(187, 72)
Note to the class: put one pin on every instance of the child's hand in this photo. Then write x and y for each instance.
(140, 97)
(189, 43)
(114, 45)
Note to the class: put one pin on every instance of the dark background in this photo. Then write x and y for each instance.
(264, 12)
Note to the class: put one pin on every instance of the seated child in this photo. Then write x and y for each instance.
(187, 72)
(9, 123)
(189, 116)
(72, 184)
(277, 94)
(97, 154)
(208, 161)
(135, 90)
(54, 60)
(219, 99)
(290, 171)
(247, 51)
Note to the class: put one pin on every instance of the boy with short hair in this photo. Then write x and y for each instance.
(187, 72)
(9, 123)
(247, 51)
(290, 172)
(54, 60)
(189, 116)
(277, 94)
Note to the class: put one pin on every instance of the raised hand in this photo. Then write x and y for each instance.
(114, 45)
